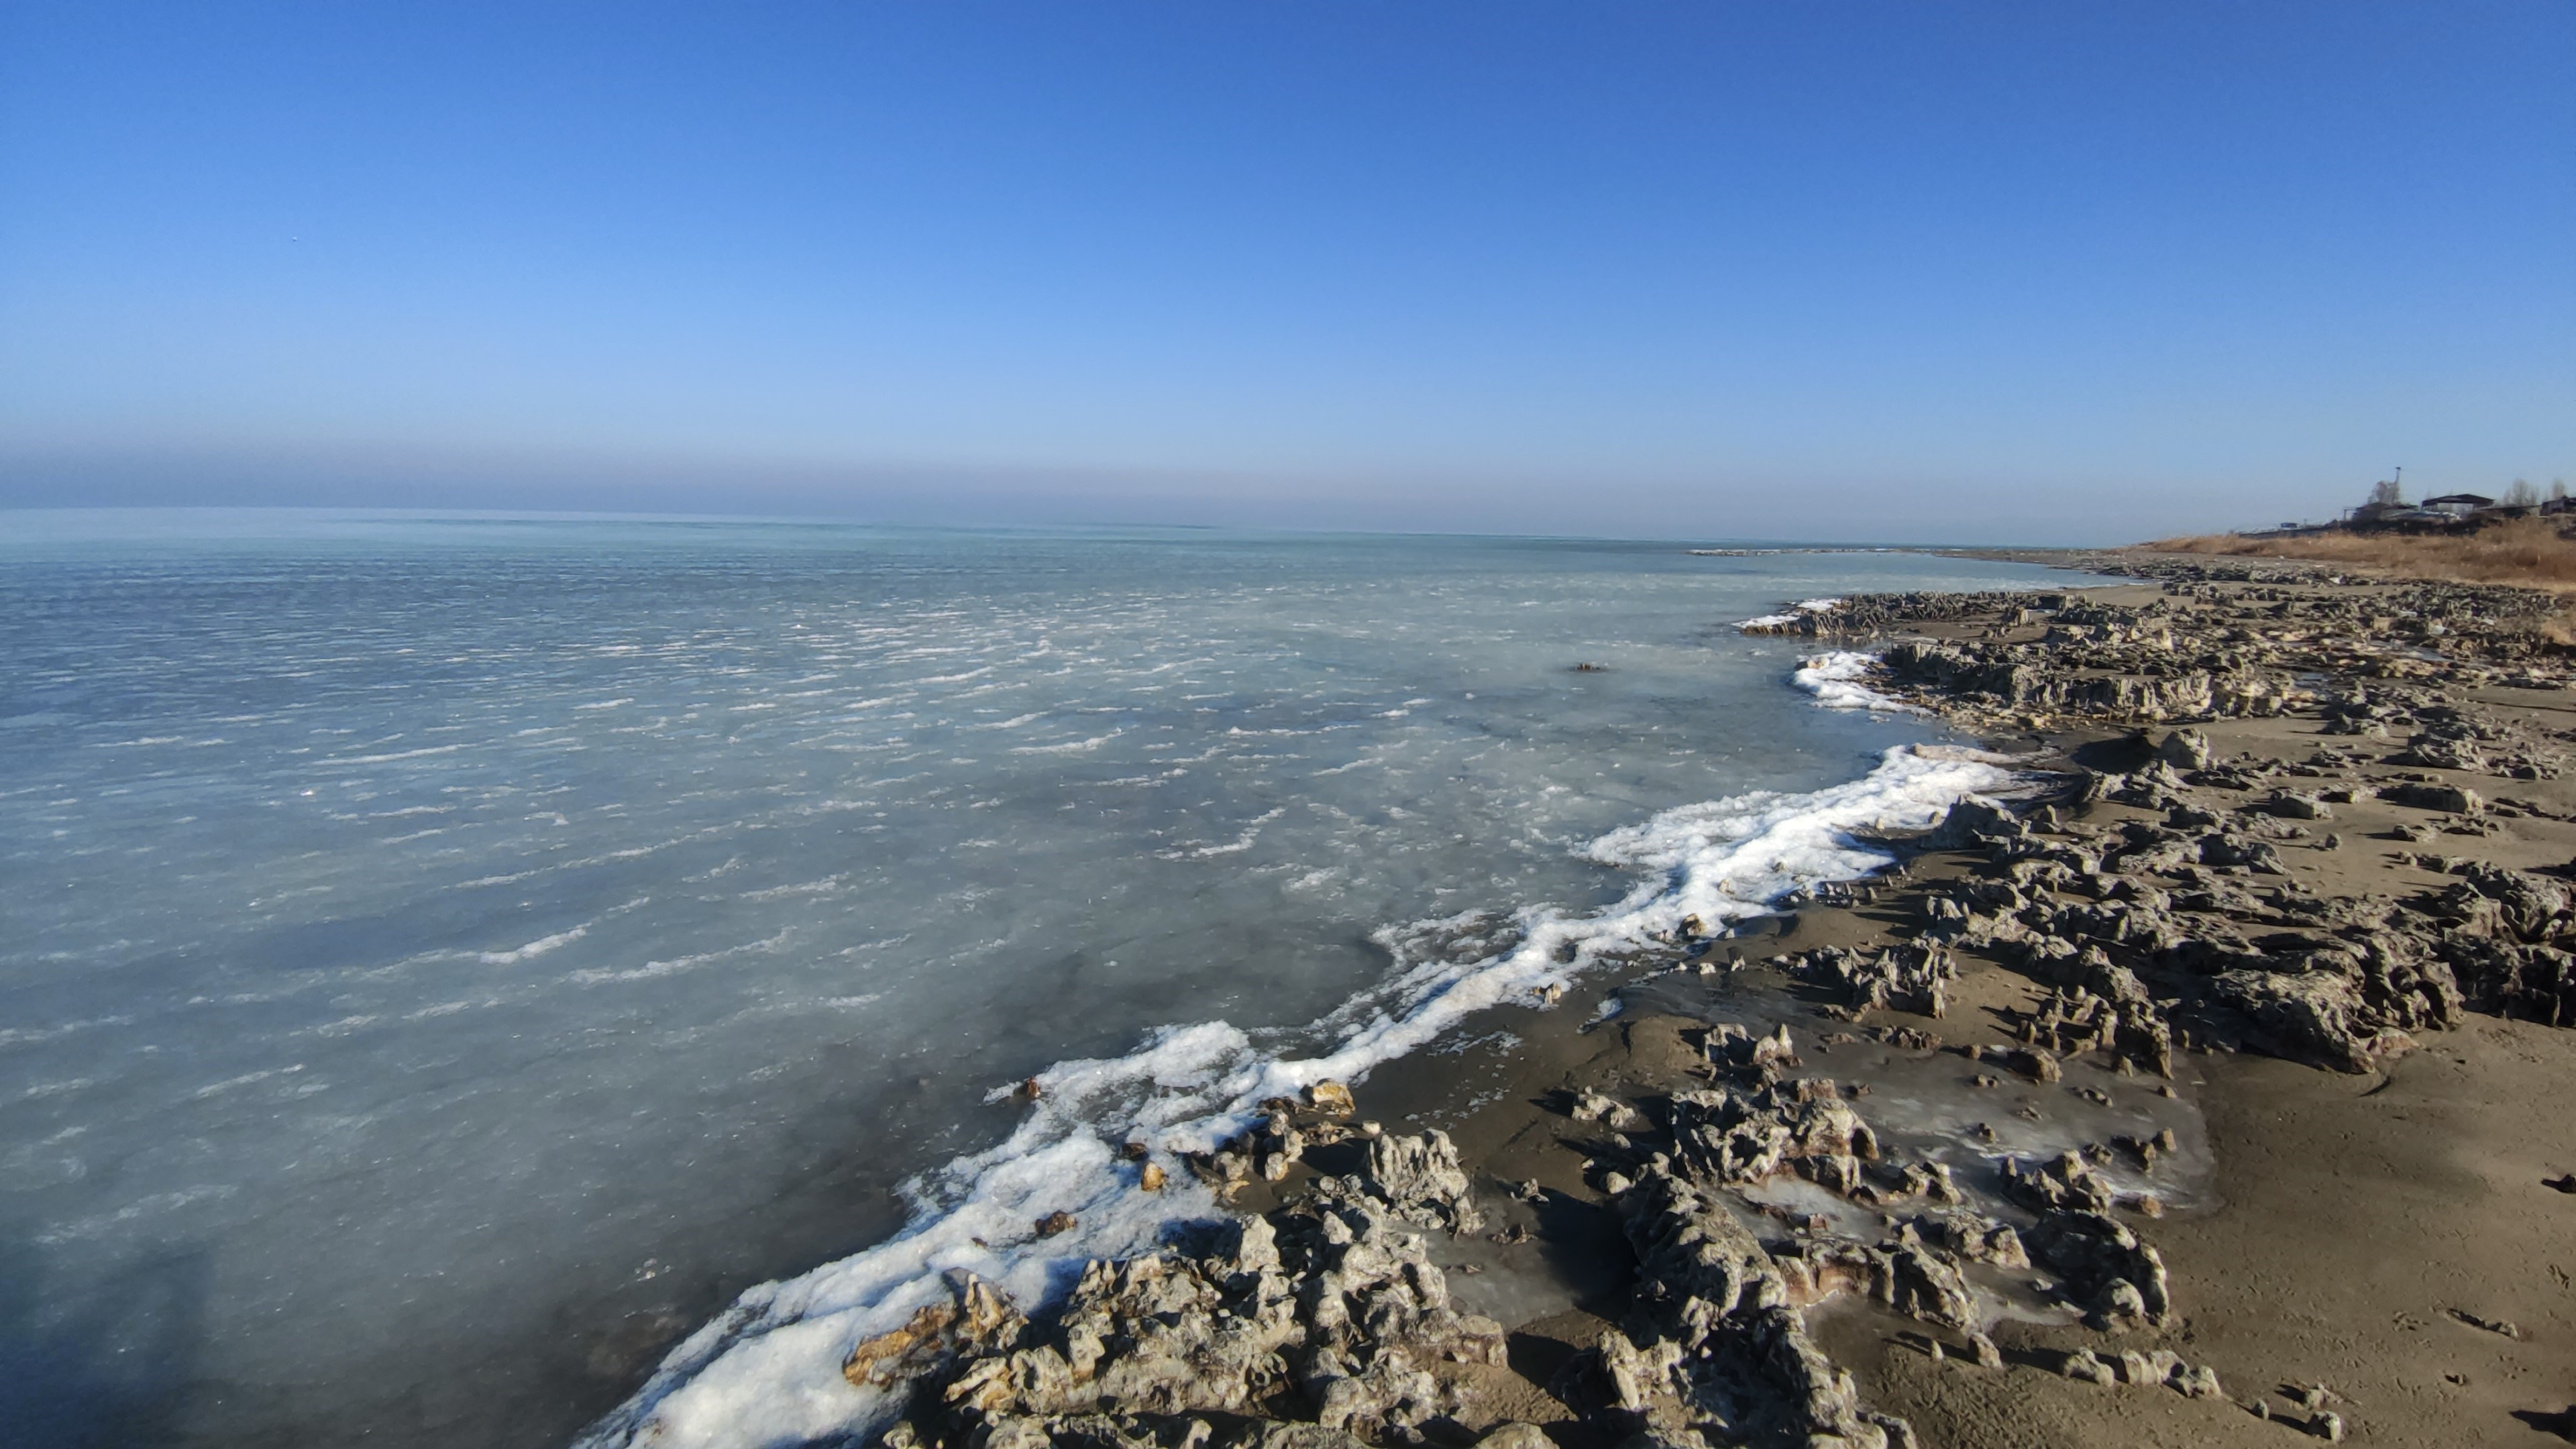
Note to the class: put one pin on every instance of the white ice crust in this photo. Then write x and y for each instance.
(1804, 606)
(767, 1372)
(1835, 679)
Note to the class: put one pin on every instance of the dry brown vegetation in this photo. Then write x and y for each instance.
(2527, 551)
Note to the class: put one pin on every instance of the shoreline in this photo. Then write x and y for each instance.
(1188, 1095)
(1531, 1111)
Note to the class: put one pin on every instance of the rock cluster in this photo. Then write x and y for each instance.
(1327, 1316)
(2159, 1368)
(2149, 926)
(2207, 652)
(1716, 1344)
(1908, 977)
(1721, 1345)
(2192, 928)
(1867, 613)
(1326, 1322)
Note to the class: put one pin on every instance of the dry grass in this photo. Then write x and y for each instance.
(2525, 551)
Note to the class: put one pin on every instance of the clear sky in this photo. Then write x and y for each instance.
(2073, 272)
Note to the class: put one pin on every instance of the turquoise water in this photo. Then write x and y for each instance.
(444, 960)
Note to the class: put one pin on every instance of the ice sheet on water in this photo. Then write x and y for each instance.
(796, 901)
(768, 1371)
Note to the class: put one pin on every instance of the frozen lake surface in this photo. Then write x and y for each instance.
(444, 961)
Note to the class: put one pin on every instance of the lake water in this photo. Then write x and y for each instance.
(444, 961)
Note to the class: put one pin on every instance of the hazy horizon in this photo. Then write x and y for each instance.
(1944, 521)
(131, 522)
(2002, 274)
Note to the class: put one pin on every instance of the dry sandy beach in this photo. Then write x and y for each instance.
(2255, 995)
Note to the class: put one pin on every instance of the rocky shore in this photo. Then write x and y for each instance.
(2210, 1090)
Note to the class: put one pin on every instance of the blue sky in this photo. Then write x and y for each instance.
(2043, 272)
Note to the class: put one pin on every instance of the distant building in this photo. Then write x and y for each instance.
(2457, 505)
